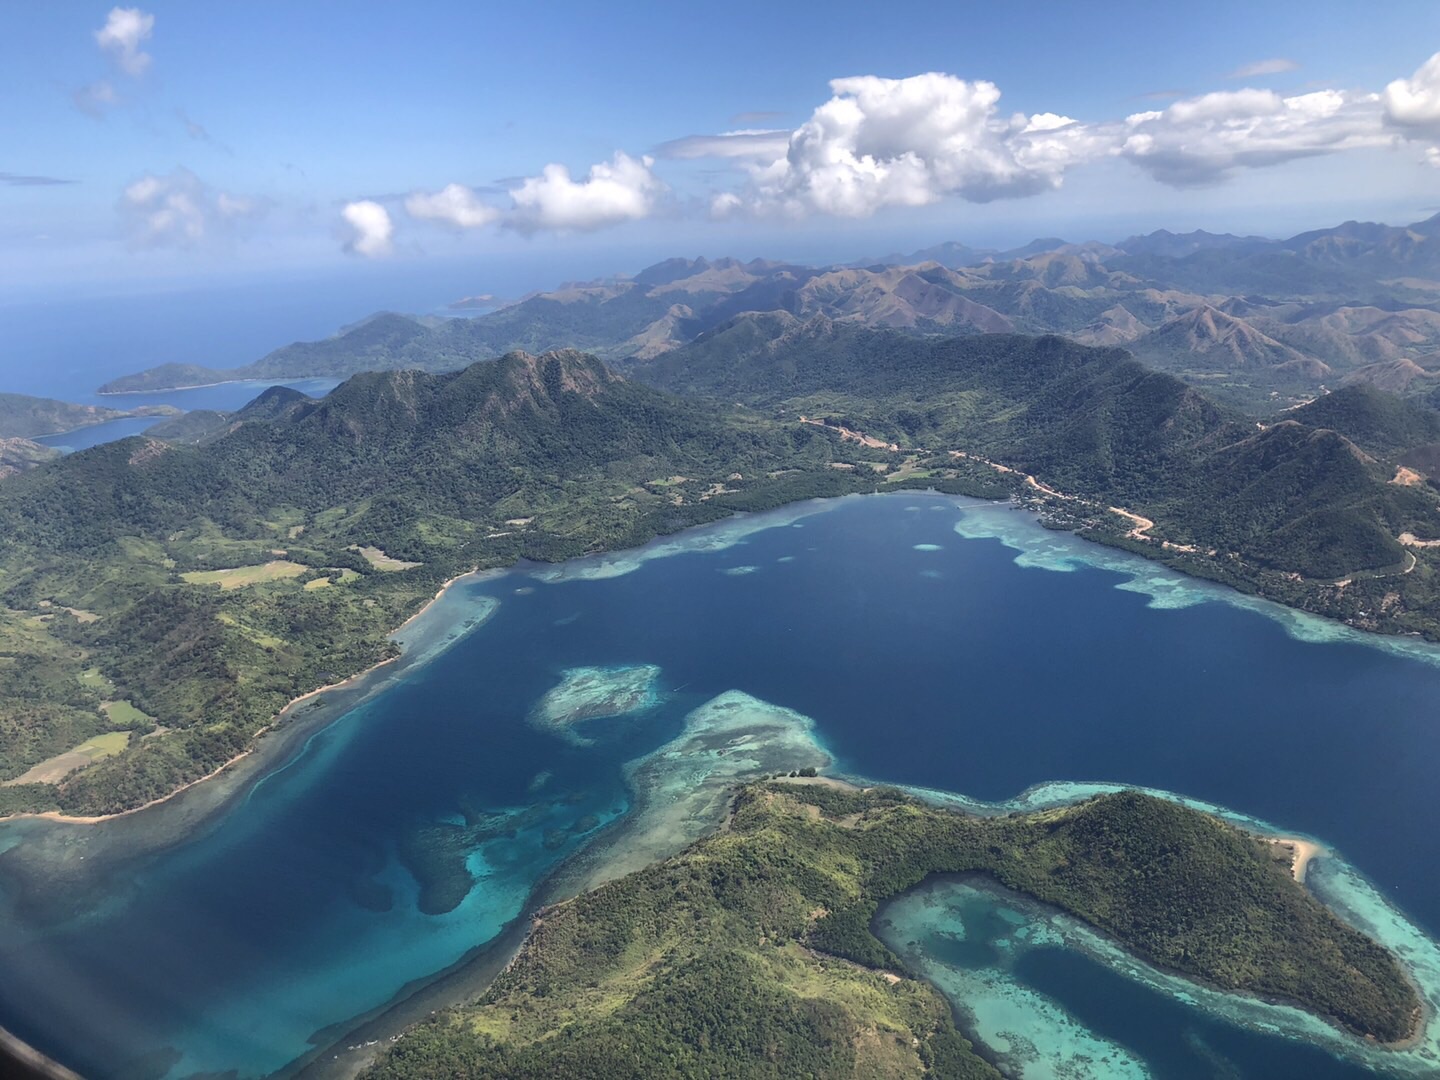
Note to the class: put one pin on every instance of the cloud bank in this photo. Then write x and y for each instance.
(179, 210)
(1201, 141)
(881, 142)
(622, 189)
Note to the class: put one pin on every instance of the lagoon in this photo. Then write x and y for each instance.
(923, 640)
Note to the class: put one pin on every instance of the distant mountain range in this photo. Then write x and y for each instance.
(1263, 320)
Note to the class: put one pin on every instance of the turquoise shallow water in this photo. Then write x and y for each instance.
(936, 643)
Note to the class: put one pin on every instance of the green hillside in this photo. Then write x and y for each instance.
(751, 955)
(557, 456)
(542, 458)
(1094, 422)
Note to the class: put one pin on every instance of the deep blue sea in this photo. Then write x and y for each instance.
(65, 346)
(949, 665)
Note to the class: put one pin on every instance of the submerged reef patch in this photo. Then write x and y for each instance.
(1046, 549)
(592, 693)
(681, 791)
(718, 537)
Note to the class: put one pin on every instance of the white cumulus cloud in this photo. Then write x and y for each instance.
(178, 209)
(455, 205)
(881, 142)
(121, 36)
(1202, 140)
(1415, 102)
(622, 189)
(370, 228)
(910, 142)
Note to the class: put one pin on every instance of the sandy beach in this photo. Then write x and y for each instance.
(1301, 853)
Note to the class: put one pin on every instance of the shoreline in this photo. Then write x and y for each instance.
(1302, 853)
(281, 380)
(1379, 638)
(1148, 555)
(157, 417)
(465, 970)
(1347, 1036)
(262, 737)
(195, 386)
(359, 1041)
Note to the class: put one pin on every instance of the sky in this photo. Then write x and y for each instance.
(185, 142)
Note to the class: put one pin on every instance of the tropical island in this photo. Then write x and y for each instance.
(175, 596)
(753, 953)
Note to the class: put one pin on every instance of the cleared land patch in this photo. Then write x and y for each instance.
(380, 561)
(53, 770)
(122, 712)
(344, 576)
(241, 576)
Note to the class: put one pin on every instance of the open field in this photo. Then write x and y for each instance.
(346, 575)
(380, 561)
(123, 712)
(55, 769)
(241, 576)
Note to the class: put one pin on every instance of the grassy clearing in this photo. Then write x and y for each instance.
(241, 576)
(259, 637)
(339, 577)
(380, 561)
(53, 770)
(92, 678)
(109, 744)
(125, 714)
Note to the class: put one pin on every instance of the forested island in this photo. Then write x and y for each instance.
(163, 601)
(752, 953)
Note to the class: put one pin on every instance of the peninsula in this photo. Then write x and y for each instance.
(752, 951)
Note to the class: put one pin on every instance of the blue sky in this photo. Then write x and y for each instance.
(206, 140)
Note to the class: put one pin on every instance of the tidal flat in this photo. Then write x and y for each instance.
(411, 846)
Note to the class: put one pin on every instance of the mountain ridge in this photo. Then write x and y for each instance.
(1315, 307)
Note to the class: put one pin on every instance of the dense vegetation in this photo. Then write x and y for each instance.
(553, 457)
(541, 458)
(1286, 508)
(723, 961)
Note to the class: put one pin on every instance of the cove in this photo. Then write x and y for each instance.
(928, 641)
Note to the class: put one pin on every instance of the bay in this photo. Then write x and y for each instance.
(931, 641)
